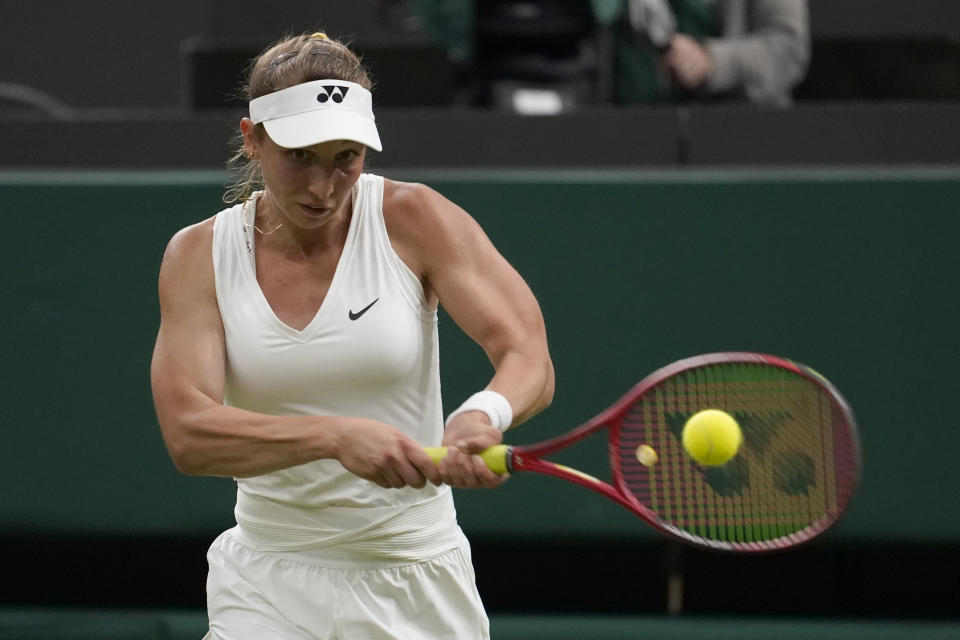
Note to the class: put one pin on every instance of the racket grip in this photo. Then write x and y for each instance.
(494, 457)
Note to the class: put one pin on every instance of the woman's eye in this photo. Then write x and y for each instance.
(299, 154)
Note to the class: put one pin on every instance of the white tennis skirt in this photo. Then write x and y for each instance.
(256, 595)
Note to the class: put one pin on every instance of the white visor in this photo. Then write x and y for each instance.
(318, 111)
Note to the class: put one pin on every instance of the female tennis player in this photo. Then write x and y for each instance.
(297, 353)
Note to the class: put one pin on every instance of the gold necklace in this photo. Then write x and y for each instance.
(252, 223)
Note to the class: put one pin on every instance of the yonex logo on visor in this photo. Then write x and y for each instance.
(332, 92)
(317, 111)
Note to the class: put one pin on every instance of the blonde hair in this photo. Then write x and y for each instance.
(289, 62)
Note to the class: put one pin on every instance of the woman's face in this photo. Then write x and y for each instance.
(310, 186)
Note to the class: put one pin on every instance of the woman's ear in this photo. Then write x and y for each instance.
(249, 138)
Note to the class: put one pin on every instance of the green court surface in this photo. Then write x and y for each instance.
(77, 624)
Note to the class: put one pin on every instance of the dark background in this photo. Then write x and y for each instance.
(825, 232)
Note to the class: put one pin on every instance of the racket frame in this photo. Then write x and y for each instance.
(531, 457)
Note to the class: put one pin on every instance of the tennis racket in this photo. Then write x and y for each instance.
(790, 481)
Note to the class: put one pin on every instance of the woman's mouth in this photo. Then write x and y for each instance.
(314, 210)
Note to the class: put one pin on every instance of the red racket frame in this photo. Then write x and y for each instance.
(530, 457)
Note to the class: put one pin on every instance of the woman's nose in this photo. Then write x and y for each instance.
(322, 182)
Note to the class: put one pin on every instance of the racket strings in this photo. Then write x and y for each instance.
(788, 479)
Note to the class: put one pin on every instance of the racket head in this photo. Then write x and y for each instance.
(791, 480)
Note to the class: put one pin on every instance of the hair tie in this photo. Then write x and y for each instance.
(319, 35)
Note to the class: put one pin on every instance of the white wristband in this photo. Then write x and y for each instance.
(491, 403)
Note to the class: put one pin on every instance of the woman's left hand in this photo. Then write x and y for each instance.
(467, 435)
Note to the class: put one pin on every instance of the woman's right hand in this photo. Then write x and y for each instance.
(384, 455)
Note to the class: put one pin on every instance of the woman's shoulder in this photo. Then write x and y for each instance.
(194, 234)
(199, 235)
(405, 195)
(422, 224)
(416, 204)
(186, 279)
(190, 244)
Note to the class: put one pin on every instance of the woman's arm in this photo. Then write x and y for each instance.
(484, 295)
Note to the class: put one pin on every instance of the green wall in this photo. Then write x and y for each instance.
(855, 273)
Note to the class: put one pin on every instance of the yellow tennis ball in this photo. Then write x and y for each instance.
(647, 455)
(712, 437)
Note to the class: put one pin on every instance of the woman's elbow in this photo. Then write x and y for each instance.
(183, 453)
(549, 386)
(185, 460)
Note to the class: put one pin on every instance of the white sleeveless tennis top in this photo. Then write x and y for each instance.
(371, 351)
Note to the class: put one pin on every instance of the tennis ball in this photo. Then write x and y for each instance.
(647, 455)
(711, 437)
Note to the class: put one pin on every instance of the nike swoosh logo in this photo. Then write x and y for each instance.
(354, 316)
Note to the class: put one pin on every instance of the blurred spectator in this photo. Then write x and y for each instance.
(658, 50)
(675, 50)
